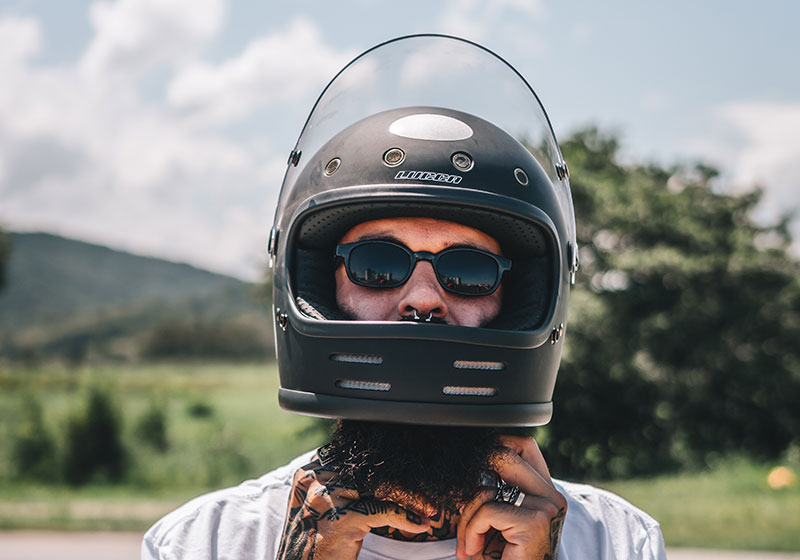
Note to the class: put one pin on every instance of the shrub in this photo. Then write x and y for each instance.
(33, 449)
(151, 428)
(94, 448)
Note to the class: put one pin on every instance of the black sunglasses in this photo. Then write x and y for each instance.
(464, 271)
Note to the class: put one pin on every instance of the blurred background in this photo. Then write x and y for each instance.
(142, 146)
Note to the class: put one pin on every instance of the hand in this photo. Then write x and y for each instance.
(488, 529)
(327, 520)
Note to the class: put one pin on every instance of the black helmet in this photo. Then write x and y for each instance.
(410, 128)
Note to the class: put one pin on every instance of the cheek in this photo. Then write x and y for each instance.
(475, 312)
(362, 304)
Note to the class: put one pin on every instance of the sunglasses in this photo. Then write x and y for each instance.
(387, 264)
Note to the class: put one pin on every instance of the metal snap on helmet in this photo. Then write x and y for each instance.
(433, 126)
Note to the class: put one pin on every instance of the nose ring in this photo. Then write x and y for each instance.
(427, 319)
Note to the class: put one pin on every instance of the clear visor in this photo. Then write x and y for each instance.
(435, 71)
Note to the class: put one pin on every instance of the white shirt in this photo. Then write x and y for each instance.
(246, 522)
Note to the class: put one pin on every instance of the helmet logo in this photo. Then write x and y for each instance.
(429, 176)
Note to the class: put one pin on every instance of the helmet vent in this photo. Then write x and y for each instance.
(357, 359)
(363, 385)
(483, 366)
(469, 391)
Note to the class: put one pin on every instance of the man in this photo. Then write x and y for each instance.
(423, 258)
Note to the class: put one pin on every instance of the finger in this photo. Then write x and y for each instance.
(516, 471)
(528, 449)
(521, 527)
(486, 494)
(486, 518)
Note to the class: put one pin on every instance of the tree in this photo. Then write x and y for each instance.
(683, 329)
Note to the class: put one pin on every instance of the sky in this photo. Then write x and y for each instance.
(162, 127)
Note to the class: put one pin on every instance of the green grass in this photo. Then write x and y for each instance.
(730, 506)
(247, 434)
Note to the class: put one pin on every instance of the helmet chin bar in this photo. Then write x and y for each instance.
(492, 415)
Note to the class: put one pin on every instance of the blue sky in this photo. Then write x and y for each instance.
(162, 126)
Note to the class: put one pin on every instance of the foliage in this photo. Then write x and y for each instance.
(33, 448)
(227, 340)
(683, 332)
(94, 448)
(5, 252)
(200, 409)
(151, 428)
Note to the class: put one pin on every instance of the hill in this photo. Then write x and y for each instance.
(67, 298)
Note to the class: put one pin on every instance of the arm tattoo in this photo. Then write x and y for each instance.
(304, 516)
(441, 528)
(556, 525)
(302, 524)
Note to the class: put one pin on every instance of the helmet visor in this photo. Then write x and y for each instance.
(434, 71)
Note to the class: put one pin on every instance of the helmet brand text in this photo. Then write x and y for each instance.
(428, 176)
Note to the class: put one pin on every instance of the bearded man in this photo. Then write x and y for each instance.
(423, 258)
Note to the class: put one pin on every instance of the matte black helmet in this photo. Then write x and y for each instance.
(432, 126)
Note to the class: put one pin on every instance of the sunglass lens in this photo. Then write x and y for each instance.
(467, 272)
(379, 265)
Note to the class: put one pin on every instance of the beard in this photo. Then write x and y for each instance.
(424, 468)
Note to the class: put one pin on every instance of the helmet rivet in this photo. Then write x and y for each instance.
(555, 336)
(282, 319)
(394, 156)
(462, 161)
(333, 166)
(562, 170)
(521, 176)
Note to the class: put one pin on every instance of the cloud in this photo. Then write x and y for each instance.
(510, 24)
(276, 68)
(21, 38)
(84, 155)
(134, 35)
(756, 143)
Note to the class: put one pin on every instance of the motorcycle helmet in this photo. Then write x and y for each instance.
(430, 126)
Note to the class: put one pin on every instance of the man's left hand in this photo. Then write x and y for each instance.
(529, 531)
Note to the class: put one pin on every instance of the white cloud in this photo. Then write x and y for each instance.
(134, 35)
(20, 38)
(82, 154)
(758, 143)
(275, 68)
(476, 19)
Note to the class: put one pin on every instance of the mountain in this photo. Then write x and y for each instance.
(67, 298)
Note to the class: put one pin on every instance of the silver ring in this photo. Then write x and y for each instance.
(508, 494)
(415, 316)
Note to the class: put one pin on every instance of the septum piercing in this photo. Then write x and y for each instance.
(427, 319)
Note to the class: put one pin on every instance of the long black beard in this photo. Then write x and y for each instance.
(440, 466)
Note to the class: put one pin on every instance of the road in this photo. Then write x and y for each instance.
(45, 545)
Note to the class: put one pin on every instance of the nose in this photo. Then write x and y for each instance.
(422, 293)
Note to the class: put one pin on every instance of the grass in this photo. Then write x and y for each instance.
(730, 506)
(224, 426)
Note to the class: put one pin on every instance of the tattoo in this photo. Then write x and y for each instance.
(495, 543)
(556, 525)
(302, 524)
(442, 527)
(311, 504)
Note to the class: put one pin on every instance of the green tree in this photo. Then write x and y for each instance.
(94, 448)
(33, 448)
(683, 330)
